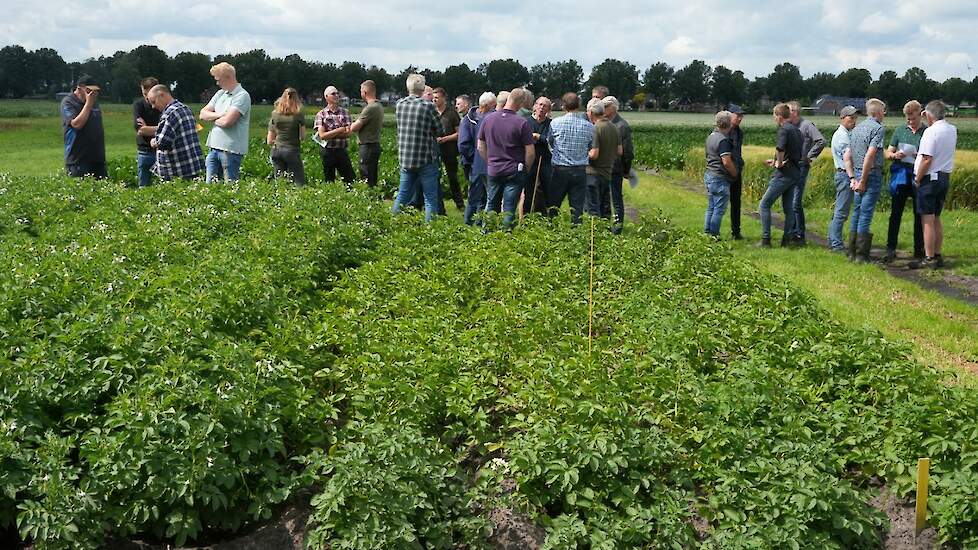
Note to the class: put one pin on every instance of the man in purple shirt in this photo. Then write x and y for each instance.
(507, 144)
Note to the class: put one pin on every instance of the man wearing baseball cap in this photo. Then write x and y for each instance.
(81, 121)
(844, 173)
(736, 136)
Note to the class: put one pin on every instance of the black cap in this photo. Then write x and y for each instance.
(88, 81)
(735, 109)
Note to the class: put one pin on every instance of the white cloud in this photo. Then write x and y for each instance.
(682, 46)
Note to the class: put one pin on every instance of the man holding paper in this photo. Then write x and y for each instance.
(903, 151)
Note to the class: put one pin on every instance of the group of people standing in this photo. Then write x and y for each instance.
(922, 158)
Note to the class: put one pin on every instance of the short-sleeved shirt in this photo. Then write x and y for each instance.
(866, 134)
(606, 139)
(789, 142)
(570, 139)
(506, 134)
(330, 120)
(151, 117)
(840, 142)
(86, 144)
(718, 145)
(449, 122)
(235, 138)
(287, 128)
(372, 116)
(904, 135)
(938, 142)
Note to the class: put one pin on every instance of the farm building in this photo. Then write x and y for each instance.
(832, 104)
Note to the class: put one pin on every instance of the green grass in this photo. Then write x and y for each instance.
(944, 330)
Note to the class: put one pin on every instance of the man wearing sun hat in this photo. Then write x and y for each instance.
(81, 121)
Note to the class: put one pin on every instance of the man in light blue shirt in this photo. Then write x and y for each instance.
(844, 173)
(230, 111)
(570, 140)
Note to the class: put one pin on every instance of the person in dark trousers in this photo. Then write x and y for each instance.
(367, 127)
(538, 177)
(506, 143)
(468, 134)
(812, 143)
(736, 136)
(902, 153)
(84, 135)
(333, 126)
(623, 164)
(286, 129)
(145, 118)
(448, 142)
(570, 141)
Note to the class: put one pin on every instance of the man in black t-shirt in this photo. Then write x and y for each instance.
(145, 119)
(787, 170)
(81, 122)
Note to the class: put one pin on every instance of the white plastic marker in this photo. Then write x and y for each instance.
(923, 477)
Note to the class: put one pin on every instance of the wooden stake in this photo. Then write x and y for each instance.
(590, 295)
(923, 477)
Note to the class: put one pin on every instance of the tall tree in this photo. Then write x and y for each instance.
(728, 86)
(191, 76)
(785, 83)
(921, 88)
(380, 76)
(15, 71)
(49, 70)
(853, 83)
(657, 82)
(891, 89)
(504, 74)
(555, 79)
(757, 89)
(350, 76)
(460, 79)
(620, 77)
(692, 82)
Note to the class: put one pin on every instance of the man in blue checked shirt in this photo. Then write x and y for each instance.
(570, 140)
(178, 153)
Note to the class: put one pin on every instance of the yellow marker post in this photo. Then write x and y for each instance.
(923, 477)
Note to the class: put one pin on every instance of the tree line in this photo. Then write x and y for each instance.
(43, 72)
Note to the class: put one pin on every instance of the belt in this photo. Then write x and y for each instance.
(562, 167)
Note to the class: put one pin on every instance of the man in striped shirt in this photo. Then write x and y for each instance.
(178, 153)
(570, 140)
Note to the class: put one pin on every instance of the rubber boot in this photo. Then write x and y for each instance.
(851, 251)
(765, 243)
(864, 242)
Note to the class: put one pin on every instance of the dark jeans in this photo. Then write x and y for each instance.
(617, 199)
(369, 159)
(82, 169)
(604, 201)
(477, 199)
(288, 163)
(336, 160)
(570, 182)
(451, 168)
(535, 190)
(467, 172)
(899, 202)
(736, 188)
(595, 186)
(797, 206)
(504, 191)
(783, 187)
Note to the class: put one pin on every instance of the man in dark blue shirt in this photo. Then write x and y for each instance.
(787, 170)
(81, 122)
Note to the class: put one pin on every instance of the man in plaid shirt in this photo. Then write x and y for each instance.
(333, 126)
(417, 127)
(178, 153)
(570, 140)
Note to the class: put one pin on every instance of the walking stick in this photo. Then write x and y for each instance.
(536, 188)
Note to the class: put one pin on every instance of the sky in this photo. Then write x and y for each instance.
(754, 36)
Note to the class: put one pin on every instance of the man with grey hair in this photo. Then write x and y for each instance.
(866, 146)
(570, 141)
(468, 134)
(506, 143)
(502, 99)
(333, 127)
(812, 143)
(623, 165)
(417, 151)
(538, 180)
(932, 177)
(605, 150)
(178, 153)
(719, 174)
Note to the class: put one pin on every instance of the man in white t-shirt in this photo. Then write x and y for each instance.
(932, 175)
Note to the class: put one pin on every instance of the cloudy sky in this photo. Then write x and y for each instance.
(816, 35)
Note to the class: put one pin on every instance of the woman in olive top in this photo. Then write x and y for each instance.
(285, 132)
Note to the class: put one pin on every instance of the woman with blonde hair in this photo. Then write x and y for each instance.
(285, 132)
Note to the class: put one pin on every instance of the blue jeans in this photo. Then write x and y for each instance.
(717, 197)
(863, 204)
(223, 165)
(426, 177)
(144, 167)
(505, 190)
(797, 208)
(477, 198)
(779, 186)
(843, 202)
